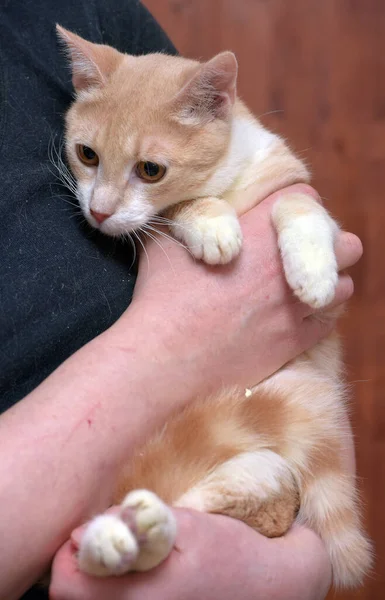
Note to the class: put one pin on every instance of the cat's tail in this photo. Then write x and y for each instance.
(329, 505)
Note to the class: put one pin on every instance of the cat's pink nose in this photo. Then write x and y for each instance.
(100, 217)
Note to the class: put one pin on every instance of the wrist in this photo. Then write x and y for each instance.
(170, 358)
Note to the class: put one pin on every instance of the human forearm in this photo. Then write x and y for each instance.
(189, 329)
(61, 446)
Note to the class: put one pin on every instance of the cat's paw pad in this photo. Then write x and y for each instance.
(215, 240)
(312, 274)
(154, 526)
(107, 547)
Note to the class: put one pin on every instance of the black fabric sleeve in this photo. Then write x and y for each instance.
(61, 283)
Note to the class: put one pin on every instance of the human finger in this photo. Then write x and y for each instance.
(348, 249)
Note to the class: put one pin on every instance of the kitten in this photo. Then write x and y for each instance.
(160, 135)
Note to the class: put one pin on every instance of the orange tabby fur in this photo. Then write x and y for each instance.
(201, 438)
(185, 115)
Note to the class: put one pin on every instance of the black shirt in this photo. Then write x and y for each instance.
(61, 283)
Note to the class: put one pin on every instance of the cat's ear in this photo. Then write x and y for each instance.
(210, 94)
(92, 64)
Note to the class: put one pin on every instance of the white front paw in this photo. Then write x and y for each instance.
(311, 271)
(107, 547)
(155, 527)
(215, 240)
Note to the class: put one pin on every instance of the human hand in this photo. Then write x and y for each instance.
(215, 557)
(233, 324)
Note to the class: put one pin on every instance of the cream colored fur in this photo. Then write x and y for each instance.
(267, 457)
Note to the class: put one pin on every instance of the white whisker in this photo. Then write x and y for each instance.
(163, 234)
(270, 112)
(158, 243)
(129, 238)
(158, 220)
(61, 172)
(70, 203)
(171, 238)
(77, 214)
(144, 249)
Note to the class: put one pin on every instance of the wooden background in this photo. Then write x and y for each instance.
(314, 70)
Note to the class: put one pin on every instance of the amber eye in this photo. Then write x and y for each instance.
(150, 171)
(87, 155)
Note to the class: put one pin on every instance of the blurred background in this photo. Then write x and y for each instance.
(314, 71)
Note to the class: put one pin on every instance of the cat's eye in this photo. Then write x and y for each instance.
(149, 171)
(87, 156)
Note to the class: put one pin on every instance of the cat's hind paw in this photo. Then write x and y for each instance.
(154, 526)
(137, 538)
(107, 547)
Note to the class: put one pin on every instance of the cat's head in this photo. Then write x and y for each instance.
(144, 132)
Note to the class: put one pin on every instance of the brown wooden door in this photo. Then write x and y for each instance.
(314, 70)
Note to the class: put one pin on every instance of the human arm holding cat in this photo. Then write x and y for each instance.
(299, 559)
(121, 378)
